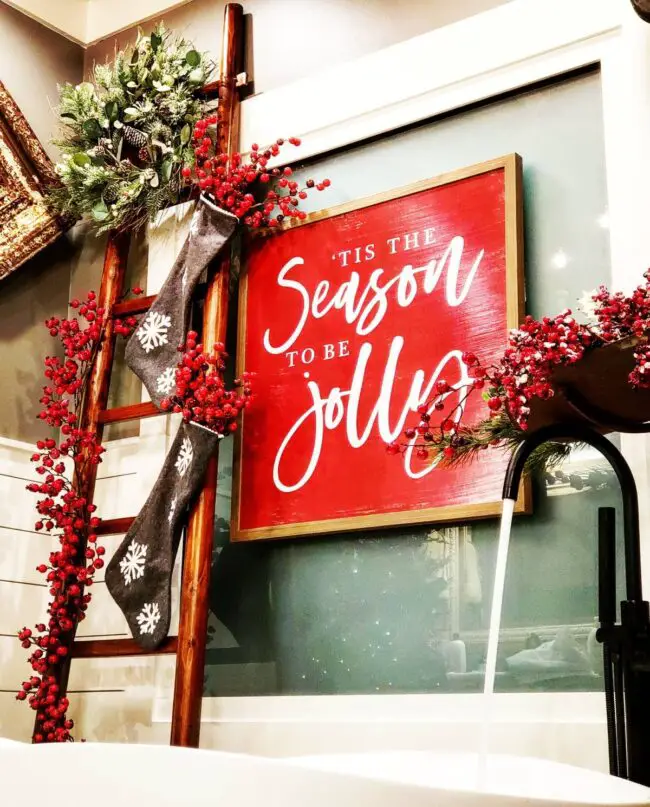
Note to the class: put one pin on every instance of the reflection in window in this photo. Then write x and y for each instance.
(407, 611)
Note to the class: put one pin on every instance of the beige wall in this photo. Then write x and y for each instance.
(292, 39)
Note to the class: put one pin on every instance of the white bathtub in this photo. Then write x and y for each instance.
(453, 779)
(160, 776)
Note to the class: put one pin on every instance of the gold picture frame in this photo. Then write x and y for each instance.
(511, 165)
(26, 222)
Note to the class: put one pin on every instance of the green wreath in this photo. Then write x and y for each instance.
(127, 136)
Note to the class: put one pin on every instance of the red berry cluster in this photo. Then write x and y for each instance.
(125, 327)
(446, 435)
(525, 370)
(65, 512)
(235, 182)
(201, 395)
(620, 316)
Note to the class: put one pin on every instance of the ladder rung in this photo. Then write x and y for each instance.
(114, 648)
(132, 412)
(210, 90)
(135, 306)
(114, 526)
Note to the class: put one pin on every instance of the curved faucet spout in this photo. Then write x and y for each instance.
(580, 434)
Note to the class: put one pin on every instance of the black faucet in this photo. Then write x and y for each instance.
(626, 644)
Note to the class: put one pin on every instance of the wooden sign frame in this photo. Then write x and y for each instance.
(514, 265)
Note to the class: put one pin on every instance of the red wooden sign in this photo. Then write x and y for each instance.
(348, 320)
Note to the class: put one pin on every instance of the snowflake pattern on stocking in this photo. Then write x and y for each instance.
(149, 617)
(133, 563)
(172, 510)
(185, 456)
(166, 381)
(153, 331)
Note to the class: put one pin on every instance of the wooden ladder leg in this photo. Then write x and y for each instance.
(193, 624)
(115, 259)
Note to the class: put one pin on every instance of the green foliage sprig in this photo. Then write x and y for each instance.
(126, 136)
(496, 432)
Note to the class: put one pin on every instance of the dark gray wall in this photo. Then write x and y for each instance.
(33, 60)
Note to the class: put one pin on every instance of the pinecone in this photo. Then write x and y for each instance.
(134, 137)
(103, 147)
(110, 194)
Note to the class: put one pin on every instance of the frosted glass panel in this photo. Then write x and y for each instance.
(376, 612)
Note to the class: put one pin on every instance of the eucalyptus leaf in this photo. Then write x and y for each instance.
(166, 170)
(92, 128)
(197, 76)
(156, 41)
(132, 85)
(118, 124)
(100, 211)
(193, 58)
(186, 133)
(112, 110)
(81, 159)
(131, 113)
(154, 181)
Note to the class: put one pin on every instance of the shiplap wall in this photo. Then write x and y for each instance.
(111, 699)
(22, 591)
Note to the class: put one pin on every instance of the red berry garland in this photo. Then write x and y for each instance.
(64, 511)
(201, 395)
(235, 183)
(525, 371)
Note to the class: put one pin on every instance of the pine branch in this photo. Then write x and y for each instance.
(498, 433)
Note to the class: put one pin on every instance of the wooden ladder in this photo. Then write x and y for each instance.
(189, 645)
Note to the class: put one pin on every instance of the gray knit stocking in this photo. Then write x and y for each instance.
(139, 575)
(152, 350)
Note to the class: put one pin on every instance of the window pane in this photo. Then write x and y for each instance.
(376, 612)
